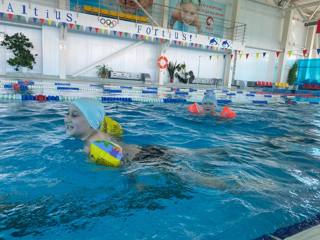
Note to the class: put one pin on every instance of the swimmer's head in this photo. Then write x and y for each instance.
(84, 117)
(209, 101)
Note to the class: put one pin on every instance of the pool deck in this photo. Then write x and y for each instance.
(309, 234)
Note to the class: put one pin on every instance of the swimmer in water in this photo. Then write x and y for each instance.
(84, 119)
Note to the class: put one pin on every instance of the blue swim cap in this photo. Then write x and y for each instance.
(92, 110)
(209, 98)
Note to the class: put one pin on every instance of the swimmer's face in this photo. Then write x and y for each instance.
(209, 108)
(76, 124)
(189, 12)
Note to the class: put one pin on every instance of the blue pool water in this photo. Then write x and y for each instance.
(230, 180)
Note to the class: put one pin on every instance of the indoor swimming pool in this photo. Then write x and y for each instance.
(228, 179)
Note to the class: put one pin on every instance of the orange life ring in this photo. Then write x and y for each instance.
(162, 62)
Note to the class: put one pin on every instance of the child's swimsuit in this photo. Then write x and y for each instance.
(151, 153)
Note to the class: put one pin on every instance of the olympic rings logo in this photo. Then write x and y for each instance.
(106, 22)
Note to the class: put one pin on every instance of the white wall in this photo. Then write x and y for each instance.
(264, 25)
(195, 59)
(264, 34)
(35, 37)
(297, 36)
(84, 50)
(256, 69)
(50, 42)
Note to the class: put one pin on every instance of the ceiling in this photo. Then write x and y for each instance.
(309, 10)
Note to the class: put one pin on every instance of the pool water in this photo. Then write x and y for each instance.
(235, 179)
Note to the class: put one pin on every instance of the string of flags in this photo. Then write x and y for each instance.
(108, 31)
(258, 55)
(72, 26)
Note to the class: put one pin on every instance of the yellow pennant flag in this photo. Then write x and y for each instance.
(257, 55)
(240, 55)
(290, 53)
(49, 22)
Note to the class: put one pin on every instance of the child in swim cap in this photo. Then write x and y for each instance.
(209, 102)
(83, 121)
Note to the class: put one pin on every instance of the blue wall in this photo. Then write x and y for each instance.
(308, 71)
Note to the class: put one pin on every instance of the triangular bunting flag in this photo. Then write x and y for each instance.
(10, 16)
(97, 30)
(120, 34)
(210, 57)
(290, 53)
(90, 29)
(114, 33)
(71, 25)
(277, 53)
(305, 52)
(264, 54)
(231, 56)
(224, 56)
(42, 20)
(247, 55)
(49, 22)
(64, 24)
(240, 55)
(257, 55)
(78, 27)
(35, 20)
(1, 15)
(102, 30)
(318, 51)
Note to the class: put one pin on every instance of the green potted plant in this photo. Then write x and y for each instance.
(21, 47)
(103, 71)
(183, 75)
(171, 69)
(292, 76)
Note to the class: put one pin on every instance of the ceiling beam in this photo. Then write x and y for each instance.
(315, 11)
(265, 4)
(301, 13)
(311, 4)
